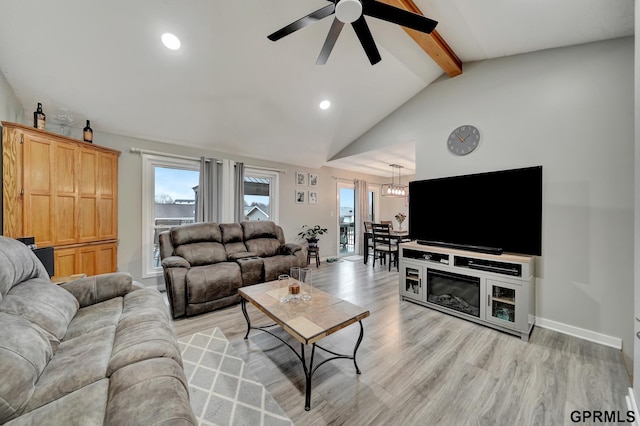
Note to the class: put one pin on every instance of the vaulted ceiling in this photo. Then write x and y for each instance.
(231, 89)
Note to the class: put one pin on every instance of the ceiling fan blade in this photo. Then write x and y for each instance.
(303, 22)
(330, 41)
(399, 16)
(366, 40)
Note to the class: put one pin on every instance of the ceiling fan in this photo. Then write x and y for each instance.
(352, 12)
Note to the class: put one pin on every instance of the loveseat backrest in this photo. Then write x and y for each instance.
(261, 237)
(17, 264)
(261, 229)
(232, 238)
(199, 243)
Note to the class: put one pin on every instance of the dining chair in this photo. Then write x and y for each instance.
(388, 222)
(368, 235)
(384, 244)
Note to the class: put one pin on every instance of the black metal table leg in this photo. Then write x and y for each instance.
(309, 369)
(246, 317)
(357, 346)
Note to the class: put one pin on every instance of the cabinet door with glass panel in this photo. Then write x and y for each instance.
(505, 305)
(412, 285)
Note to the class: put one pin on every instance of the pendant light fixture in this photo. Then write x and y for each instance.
(394, 189)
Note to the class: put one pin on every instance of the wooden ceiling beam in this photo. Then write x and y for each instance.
(433, 43)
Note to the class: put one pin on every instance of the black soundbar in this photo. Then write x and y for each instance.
(478, 249)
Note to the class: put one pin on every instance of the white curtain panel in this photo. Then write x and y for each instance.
(207, 204)
(362, 212)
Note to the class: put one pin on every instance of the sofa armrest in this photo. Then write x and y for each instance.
(290, 248)
(175, 262)
(98, 288)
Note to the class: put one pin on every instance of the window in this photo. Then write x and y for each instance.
(169, 186)
(260, 194)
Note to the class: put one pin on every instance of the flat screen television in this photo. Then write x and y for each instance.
(490, 212)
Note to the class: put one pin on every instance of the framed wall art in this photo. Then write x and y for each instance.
(313, 197)
(301, 196)
(301, 179)
(313, 179)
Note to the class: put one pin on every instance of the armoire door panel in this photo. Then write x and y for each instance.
(107, 176)
(65, 227)
(39, 156)
(66, 168)
(65, 262)
(39, 221)
(106, 219)
(87, 225)
(107, 258)
(88, 172)
(89, 260)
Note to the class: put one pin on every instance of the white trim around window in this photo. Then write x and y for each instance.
(149, 163)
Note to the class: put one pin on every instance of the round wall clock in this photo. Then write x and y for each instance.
(463, 140)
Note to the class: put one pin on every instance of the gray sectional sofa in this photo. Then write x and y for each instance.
(97, 351)
(204, 264)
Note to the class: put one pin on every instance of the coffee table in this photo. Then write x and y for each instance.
(307, 321)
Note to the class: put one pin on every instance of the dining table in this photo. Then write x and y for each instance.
(400, 235)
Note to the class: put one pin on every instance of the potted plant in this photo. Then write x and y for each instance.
(311, 234)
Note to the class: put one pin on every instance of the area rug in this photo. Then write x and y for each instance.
(222, 389)
(354, 258)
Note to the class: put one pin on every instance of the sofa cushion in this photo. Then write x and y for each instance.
(196, 233)
(211, 282)
(259, 229)
(231, 233)
(44, 304)
(202, 253)
(159, 378)
(263, 247)
(144, 331)
(94, 317)
(84, 407)
(24, 354)
(276, 265)
(78, 362)
(17, 264)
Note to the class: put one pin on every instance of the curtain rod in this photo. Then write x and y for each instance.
(186, 157)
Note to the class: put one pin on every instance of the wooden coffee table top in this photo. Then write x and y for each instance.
(307, 321)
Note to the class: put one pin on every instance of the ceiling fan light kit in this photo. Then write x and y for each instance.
(353, 12)
(348, 11)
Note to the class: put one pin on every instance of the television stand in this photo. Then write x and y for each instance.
(478, 249)
(497, 291)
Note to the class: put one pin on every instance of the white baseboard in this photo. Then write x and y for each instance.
(592, 336)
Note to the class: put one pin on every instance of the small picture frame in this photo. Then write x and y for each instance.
(313, 197)
(301, 179)
(301, 196)
(313, 180)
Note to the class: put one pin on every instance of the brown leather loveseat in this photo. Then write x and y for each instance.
(205, 263)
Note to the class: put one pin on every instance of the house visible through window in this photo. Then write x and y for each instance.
(260, 194)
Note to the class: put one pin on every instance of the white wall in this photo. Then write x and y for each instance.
(571, 111)
(10, 107)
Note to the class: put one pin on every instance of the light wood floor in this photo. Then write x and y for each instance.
(423, 367)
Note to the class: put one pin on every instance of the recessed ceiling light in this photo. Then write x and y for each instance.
(171, 41)
(325, 104)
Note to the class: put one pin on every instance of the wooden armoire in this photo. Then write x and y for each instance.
(63, 192)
